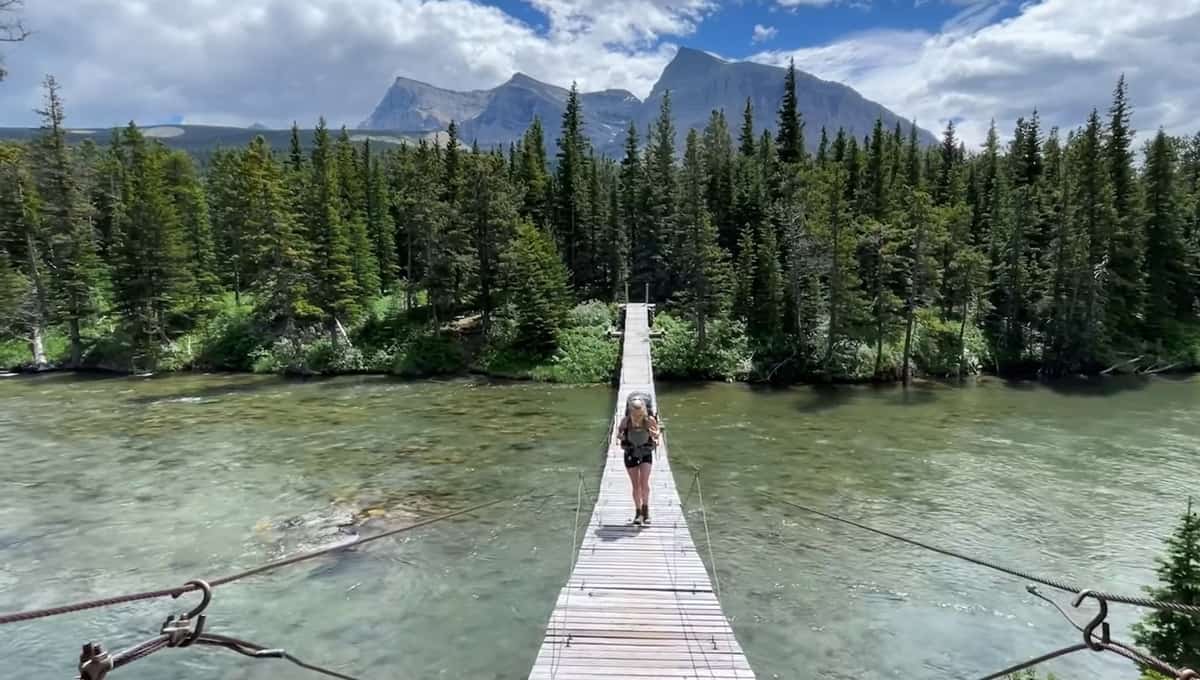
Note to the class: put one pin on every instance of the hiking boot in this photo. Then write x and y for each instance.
(645, 513)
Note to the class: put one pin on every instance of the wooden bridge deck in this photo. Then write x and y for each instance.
(639, 603)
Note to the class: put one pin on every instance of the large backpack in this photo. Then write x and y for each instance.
(646, 398)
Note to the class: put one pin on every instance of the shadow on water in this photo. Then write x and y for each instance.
(223, 388)
(63, 377)
(819, 398)
(1099, 386)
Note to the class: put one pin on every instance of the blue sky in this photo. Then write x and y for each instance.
(274, 61)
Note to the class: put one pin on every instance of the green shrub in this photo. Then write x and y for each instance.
(591, 314)
(430, 354)
(15, 353)
(323, 356)
(230, 339)
(935, 346)
(726, 355)
(584, 355)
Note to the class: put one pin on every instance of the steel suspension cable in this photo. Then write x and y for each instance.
(1193, 610)
(31, 615)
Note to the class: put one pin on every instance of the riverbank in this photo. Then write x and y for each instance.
(394, 340)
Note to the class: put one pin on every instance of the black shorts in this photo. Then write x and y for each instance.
(635, 457)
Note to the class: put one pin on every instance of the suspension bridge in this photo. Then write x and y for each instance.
(638, 601)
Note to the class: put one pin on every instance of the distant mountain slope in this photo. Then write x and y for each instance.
(698, 81)
(203, 139)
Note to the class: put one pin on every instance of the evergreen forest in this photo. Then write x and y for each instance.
(1055, 252)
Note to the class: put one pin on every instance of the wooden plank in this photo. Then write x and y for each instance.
(639, 602)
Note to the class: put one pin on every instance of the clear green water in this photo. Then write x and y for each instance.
(120, 484)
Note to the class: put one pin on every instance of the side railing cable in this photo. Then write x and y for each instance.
(188, 629)
(1096, 635)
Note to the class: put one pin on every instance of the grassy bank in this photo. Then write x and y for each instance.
(392, 339)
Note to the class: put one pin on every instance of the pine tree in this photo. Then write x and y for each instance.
(538, 292)
(280, 254)
(1082, 336)
(352, 180)
(659, 225)
(571, 185)
(150, 272)
(968, 278)
(879, 265)
(106, 194)
(533, 175)
(767, 319)
(335, 290)
(26, 306)
(746, 147)
(790, 138)
(630, 245)
(381, 223)
(449, 260)
(912, 160)
(67, 219)
(703, 264)
(719, 179)
(987, 177)
(875, 204)
(225, 196)
(596, 262)
(492, 211)
(1126, 246)
(833, 228)
(1009, 215)
(187, 195)
(1168, 257)
(743, 275)
(823, 148)
(1172, 636)
(921, 233)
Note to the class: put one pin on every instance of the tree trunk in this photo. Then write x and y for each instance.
(834, 289)
(962, 334)
(878, 345)
(37, 330)
(76, 342)
(408, 267)
(908, 331)
(37, 346)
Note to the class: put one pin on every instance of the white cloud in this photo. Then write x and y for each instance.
(1061, 56)
(805, 3)
(275, 60)
(763, 33)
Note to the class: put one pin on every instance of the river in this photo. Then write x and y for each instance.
(119, 484)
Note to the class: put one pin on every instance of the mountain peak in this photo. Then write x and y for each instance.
(699, 82)
(692, 58)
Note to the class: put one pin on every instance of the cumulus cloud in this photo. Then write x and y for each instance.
(1061, 56)
(275, 60)
(805, 3)
(763, 33)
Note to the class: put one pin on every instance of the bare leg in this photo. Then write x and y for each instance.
(635, 483)
(644, 483)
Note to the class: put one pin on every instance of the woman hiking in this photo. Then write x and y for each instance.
(638, 436)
